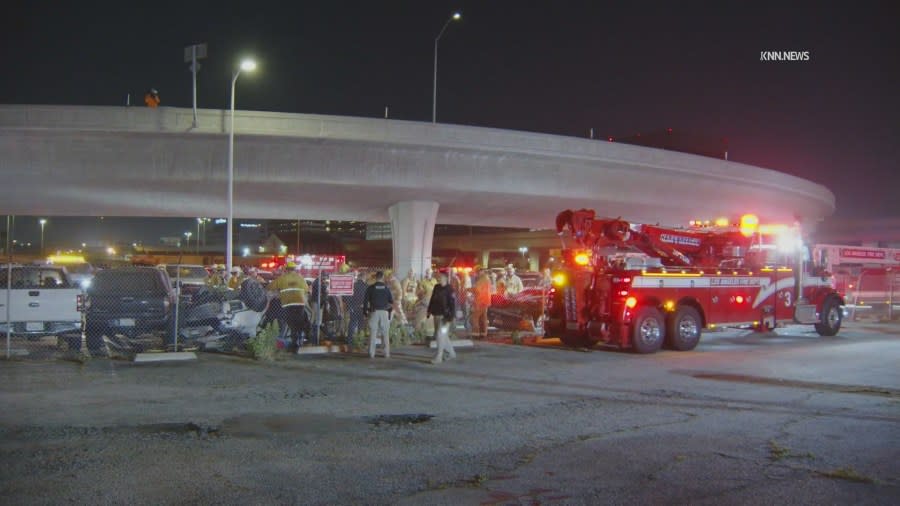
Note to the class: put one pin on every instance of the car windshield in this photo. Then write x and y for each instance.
(79, 268)
(186, 271)
(123, 282)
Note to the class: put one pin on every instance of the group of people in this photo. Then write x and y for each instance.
(432, 304)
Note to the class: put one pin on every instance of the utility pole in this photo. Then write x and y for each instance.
(191, 54)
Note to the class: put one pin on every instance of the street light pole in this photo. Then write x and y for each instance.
(199, 221)
(454, 17)
(247, 65)
(43, 222)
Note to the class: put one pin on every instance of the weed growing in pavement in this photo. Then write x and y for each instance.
(847, 473)
(778, 452)
(263, 346)
(420, 335)
(399, 334)
(358, 341)
(478, 480)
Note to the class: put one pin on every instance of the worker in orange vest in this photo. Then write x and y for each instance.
(151, 98)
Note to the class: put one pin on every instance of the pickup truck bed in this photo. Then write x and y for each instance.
(41, 301)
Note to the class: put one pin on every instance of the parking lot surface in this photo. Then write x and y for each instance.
(743, 419)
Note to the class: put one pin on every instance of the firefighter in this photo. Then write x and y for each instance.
(397, 315)
(151, 98)
(216, 278)
(378, 305)
(513, 283)
(500, 284)
(426, 285)
(409, 291)
(547, 279)
(481, 301)
(236, 278)
(293, 292)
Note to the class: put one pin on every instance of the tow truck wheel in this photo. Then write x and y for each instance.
(573, 341)
(683, 331)
(830, 318)
(648, 330)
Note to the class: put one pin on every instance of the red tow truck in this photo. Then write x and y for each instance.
(642, 287)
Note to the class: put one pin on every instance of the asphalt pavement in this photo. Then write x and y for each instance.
(744, 419)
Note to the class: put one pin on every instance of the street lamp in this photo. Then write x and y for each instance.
(456, 16)
(523, 250)
(187, 238)
(43, 222)
(246, 65)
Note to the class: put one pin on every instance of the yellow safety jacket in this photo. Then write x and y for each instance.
(234, 282)
(291, 288)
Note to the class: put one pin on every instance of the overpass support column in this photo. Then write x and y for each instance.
(485, 258)
(412, 233)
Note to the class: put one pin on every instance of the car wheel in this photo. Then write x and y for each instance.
(73, 341)
(683, 331)
(648, 330)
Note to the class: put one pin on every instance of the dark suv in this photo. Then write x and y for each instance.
(130, 301)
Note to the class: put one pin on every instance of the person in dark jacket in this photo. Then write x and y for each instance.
(354, 304)
(443, 307)
(379, 302)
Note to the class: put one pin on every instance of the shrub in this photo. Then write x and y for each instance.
(262, 347)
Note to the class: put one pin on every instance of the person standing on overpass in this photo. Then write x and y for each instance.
(151, 98)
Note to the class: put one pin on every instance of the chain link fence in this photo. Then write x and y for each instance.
(57, 311)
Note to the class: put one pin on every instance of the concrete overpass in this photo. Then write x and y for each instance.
(121, 161)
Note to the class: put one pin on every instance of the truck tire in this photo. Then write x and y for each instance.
(830, 318)
(648, 330)
(94, 338)
(684, 328)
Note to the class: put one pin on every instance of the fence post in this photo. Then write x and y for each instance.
(319, 306)
(177, 303)
(8, 298)
(893, 278)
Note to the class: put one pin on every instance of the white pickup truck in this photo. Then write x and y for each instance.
(41, 301)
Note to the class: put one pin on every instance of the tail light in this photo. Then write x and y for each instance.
(80, 305)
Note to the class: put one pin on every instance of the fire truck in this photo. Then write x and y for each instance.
(867, 277)
(642, 287)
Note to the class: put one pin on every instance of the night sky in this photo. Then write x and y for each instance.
(553, 67)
